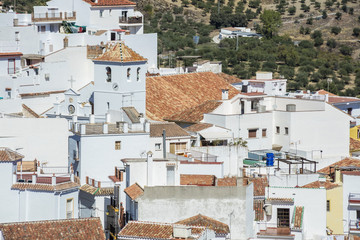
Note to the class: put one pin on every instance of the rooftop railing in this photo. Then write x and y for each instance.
(130, 20)
(53, 16)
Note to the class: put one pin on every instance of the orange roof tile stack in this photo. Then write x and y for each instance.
(204, 221)
(120, 53)
(168, 95)
(75, 229)
(198, 180)
(227, 181)
(134, 191)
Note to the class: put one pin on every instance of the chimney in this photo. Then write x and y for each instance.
(87, 179)
(72, 177)
(53, 179)
(83, 129)
(105, 128)
(337, 175)
(326, 97)
(107, 118)
(147, 127)
(225, 94)
(126, 127)
(92, 118)
(74, 118)
(149, 168)
(33, 178)
(181, 231)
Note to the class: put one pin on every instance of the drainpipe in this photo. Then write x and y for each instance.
(164, 143)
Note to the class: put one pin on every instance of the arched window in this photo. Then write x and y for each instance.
(128, 74)
(138, 74)
(108, 74)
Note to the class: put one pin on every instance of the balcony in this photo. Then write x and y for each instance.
(130, 20)
(272, 230)
(354, 199)
(53, 16)
(354, 226)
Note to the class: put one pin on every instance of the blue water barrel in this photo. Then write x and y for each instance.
(269, 159)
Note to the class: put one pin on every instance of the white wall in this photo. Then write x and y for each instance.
(292, 180)
(171, 204)
(40, 138)
(169, 140)
(202, 169)
(350, 185)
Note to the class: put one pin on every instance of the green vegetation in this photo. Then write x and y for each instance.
(24, 6)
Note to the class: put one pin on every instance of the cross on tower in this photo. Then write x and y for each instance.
(71, 80)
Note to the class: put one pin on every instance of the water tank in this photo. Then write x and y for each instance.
(291, 108)
(269, 159)
(261, 108)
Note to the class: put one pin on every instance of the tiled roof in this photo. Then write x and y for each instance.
(227, 181)
(134, 191)
(229, 78)
(41, 93)
(204, 221)
(318, 184)
(354, 145)
(259, 209)
(280, 200)
(172, 130)
(347, 162)
(109, 2)
(168, 95)
(353, 173)
(195, 114)
(132, 114)
(106, 191)
(198, 127)
(260, 184)
(342, 99)
(75, 229)
(44, 187)
(298, 217)
(120, 53)
(323, 92)
(8, 155)
(152, 230)
(198, 180)
(10, 54)
(30, 111)
(250, 94)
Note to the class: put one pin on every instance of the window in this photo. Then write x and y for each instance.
(157, 146)
(178, 148)
(108, 74)
(277, 129)
(11, 66)
(286, 131)
(108, 105)
(254, 105)
(328, 205)
(101, 13)
(128, 74)
(358, 133)
(41, 29)
(117, 145)
(69, 208)
(264, 132)
(252, 133)
(138, 74)
(357, 214)
(17, 36)
(349, 111)
(52, 28)
(283, 216)
(47, 76)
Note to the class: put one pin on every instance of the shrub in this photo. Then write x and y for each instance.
(336, 30)
(356, 32)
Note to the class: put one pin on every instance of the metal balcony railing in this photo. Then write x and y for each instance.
(354, 225)
(130, 20)
(354, 198)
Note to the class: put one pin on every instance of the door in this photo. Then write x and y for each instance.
(113, 36)
(283, 217)
(172, 148)
(170, 178)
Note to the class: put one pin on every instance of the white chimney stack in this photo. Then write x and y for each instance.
(83, 129)
(149, 168)
(53, 180)
(126, 127)
(33, 178)
(225, 94)
(107, 118)
(92, 118)
(105, 128)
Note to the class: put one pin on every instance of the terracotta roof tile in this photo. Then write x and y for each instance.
(298, 217)
(8, 155)
(280, 200)
(227, 181)
(109, 2)
(195, 114)
(336, 99)
(354, 145)
(120, 53)
(106, 191)
(30, 111)
(347, 162)
(10, 54)
(168, 95)
(318, 184)
(323, 92)
(198, 127)
(250, 94)
(204, 221)
(75, 229)
(134, 191)
(44, 187)
(198, 180)
(260, 184)
(41, 93)
(172, 130)
(152, 230)
(259, 209)
(229, 78)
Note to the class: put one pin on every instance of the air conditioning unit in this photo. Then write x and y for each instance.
(268, 209)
